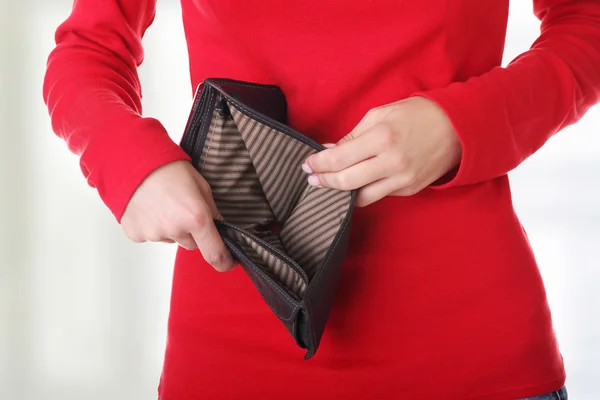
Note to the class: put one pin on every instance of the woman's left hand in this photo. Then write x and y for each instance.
(395, 150)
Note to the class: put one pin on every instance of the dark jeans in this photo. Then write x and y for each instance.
(560, 394)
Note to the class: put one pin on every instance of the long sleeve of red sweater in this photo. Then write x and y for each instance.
(505, 115)
(93, 94)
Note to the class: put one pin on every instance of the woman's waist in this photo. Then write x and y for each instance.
(458, 222)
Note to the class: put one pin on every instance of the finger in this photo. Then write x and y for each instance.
(402, 185)
(408, 191)
(375, 191)
(356, 176)
(207, 195)
(344, 155)
(211, 245)
(186, 241)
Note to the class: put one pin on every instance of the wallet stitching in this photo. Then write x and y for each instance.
(260, 272)
(187, 141)
(296, 337)
(197, 123)
(210, 100)
(199, 145)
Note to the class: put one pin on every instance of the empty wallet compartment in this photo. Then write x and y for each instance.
(290, 237)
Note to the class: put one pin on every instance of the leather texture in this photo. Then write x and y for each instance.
(303, 309)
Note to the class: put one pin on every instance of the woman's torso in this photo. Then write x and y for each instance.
(440, 296)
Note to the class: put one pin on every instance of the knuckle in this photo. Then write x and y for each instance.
(400, 162)
(350, 136)
(344, 181)
(335, 180)
(204, 186)
(409, 186)
(335, 161)
(372, 113)
(199, 219)
(410, 179)
(173, 230)
(132, 234)
(316, 161)
(154, 237)
(383, 169)
(387, 135)
(135, 237)
(217, 260)
(324, 179)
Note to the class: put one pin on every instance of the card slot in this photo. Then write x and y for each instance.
(226, 165)
(304, 212)
(277, 160)
(255, 174)
(268, 257)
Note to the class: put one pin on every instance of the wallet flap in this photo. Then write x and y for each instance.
(267, 100)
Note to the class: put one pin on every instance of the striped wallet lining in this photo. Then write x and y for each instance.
(258, 185)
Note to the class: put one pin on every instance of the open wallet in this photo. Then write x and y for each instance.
(290, 237)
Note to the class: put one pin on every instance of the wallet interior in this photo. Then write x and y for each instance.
(283, 224)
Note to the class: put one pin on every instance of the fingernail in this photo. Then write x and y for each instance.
(329, 145)
(313, 180)
(306, 168)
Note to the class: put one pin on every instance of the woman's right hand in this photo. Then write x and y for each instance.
(174, 204)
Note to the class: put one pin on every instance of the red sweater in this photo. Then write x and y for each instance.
(440, 297)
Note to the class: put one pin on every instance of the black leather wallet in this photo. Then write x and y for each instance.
(290, 237)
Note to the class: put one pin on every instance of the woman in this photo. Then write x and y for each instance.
(440, 297)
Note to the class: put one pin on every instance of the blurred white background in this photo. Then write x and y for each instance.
(83, 311)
